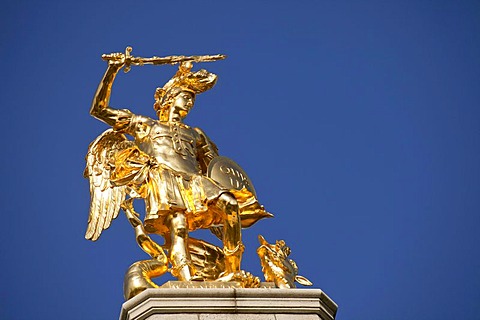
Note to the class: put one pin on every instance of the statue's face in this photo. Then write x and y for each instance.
(183, 103)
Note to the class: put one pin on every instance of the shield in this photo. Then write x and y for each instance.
(229, 174)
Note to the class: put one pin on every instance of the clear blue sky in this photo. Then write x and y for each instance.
(358, 122)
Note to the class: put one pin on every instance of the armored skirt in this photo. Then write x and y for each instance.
(166, 191)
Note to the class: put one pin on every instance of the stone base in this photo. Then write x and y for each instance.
(192, 302)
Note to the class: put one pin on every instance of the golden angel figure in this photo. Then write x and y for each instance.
(170, 166)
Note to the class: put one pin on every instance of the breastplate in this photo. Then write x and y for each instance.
(183, 140)
(176, 144)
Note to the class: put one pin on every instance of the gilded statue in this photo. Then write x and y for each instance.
(178, 173)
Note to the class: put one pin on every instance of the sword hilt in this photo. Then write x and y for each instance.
(128, 59)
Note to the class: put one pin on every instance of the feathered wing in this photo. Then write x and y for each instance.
(105, 199)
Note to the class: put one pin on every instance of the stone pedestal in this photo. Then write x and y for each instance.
(176, 302)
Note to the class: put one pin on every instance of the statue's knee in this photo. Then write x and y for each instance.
(178, 224)
(229, 202)
(180, 232)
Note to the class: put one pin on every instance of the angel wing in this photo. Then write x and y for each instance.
(105, 199)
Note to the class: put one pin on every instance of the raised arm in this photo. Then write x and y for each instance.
(100, 109)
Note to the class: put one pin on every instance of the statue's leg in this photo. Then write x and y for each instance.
(232, 236)
(179, 255)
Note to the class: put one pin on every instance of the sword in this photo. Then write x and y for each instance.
(140, 61)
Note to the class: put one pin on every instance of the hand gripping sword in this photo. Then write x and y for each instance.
(140, 61)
